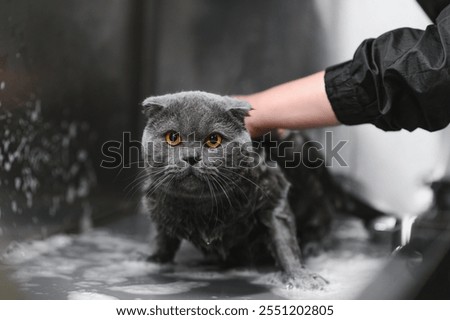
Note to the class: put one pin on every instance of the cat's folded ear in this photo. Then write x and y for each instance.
(152, 105)
(239, 108)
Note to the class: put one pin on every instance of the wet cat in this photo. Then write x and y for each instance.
(208, 183)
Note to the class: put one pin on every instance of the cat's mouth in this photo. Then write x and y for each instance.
(191, 180)
(181, 173)
(199, 182)
(190, 173)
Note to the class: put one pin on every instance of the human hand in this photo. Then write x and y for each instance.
(251, 121)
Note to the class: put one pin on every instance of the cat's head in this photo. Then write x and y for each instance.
(195, 141)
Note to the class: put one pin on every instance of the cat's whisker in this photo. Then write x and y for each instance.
(131, 177)
(226, 179)
(124, 166)
(223, 189)
(139, 177)
(168, 183)
(134, 185)
(156, 184)
(137, 186)
(247, 179)
(211, 191)
(217, 219)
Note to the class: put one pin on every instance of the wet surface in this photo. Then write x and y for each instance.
(109, 263)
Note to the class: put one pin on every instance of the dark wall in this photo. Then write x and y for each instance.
(68, 83)
(235, 46)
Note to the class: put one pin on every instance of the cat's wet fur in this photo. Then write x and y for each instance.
(224, 200)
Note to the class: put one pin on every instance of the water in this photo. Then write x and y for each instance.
(109, 263)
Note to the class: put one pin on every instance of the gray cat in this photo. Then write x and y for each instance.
(209, 184)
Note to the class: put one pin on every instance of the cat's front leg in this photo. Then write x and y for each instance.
(286, 250)
(164, 247)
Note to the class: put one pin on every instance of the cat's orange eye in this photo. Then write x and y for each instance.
(213, 140)
(173, 138)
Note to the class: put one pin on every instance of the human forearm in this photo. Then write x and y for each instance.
(301, 103)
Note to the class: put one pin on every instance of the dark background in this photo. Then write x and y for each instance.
(72, 74)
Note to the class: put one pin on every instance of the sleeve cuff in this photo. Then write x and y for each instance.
(350, 102)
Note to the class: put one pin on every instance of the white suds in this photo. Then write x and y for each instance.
(160, 289)
(85, 295)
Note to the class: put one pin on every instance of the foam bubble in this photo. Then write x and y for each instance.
(121, 271)
(17, 253)
(85, 295)
(160, 289)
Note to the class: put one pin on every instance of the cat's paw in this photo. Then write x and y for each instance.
(304, 280)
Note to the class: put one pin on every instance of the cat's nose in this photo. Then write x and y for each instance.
(192, 159)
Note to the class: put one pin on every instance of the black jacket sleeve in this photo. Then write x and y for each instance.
(433, 7)
(399, 80)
